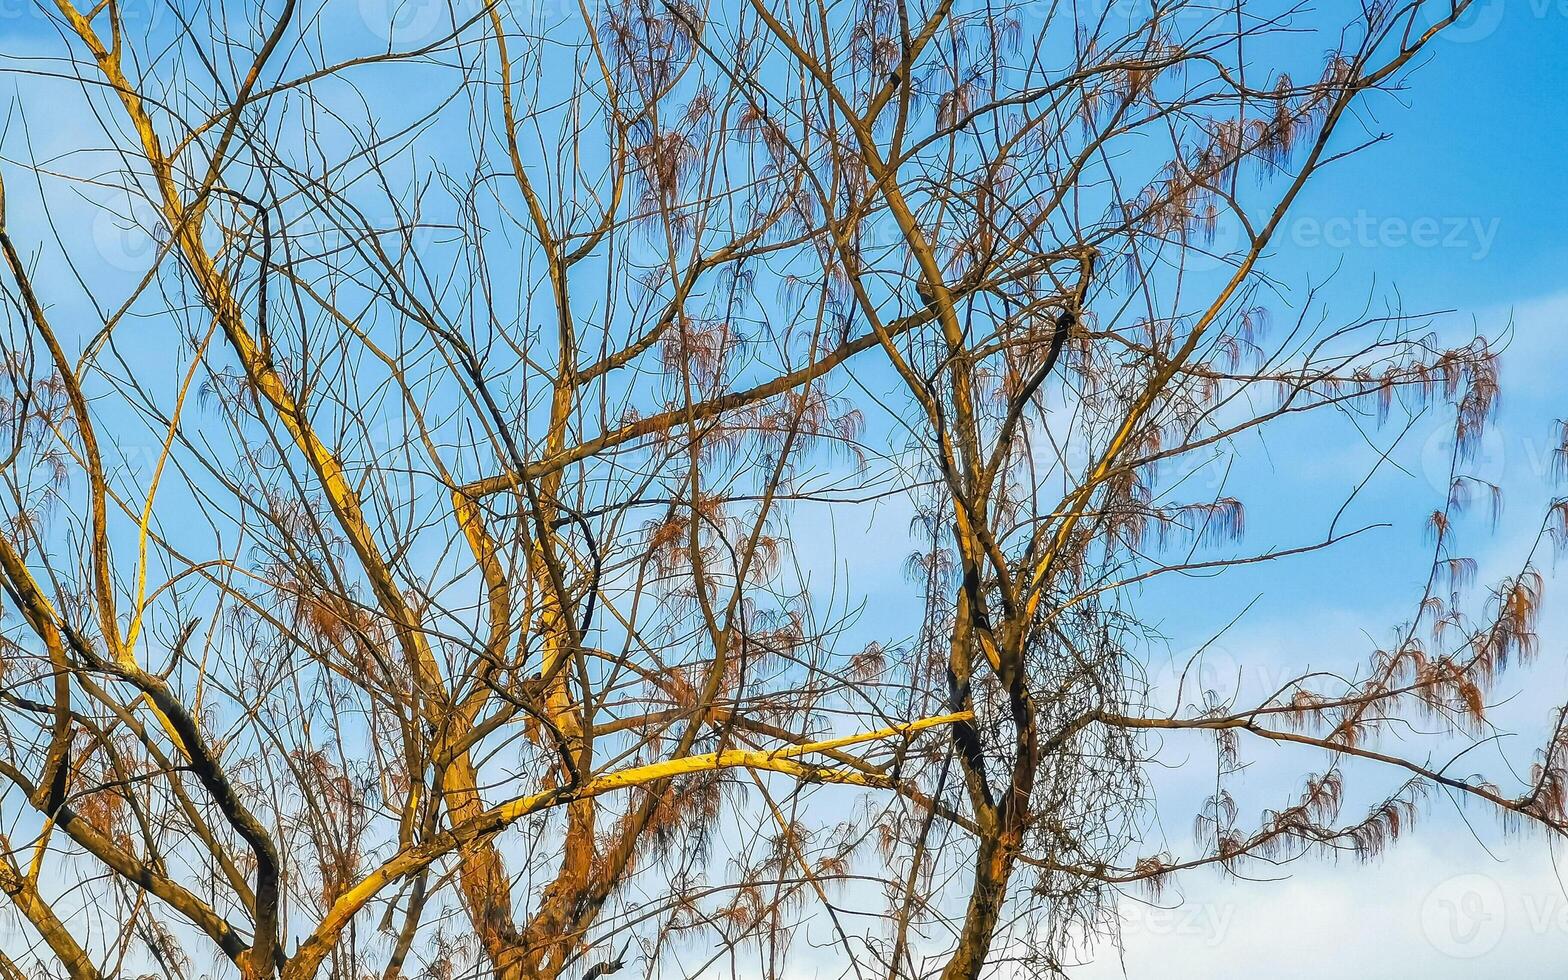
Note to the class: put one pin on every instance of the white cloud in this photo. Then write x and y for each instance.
(1438, 907)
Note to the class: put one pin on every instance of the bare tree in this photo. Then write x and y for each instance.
(414, 567)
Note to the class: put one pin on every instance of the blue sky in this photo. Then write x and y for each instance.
(1459, 211)
(1478, 144)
